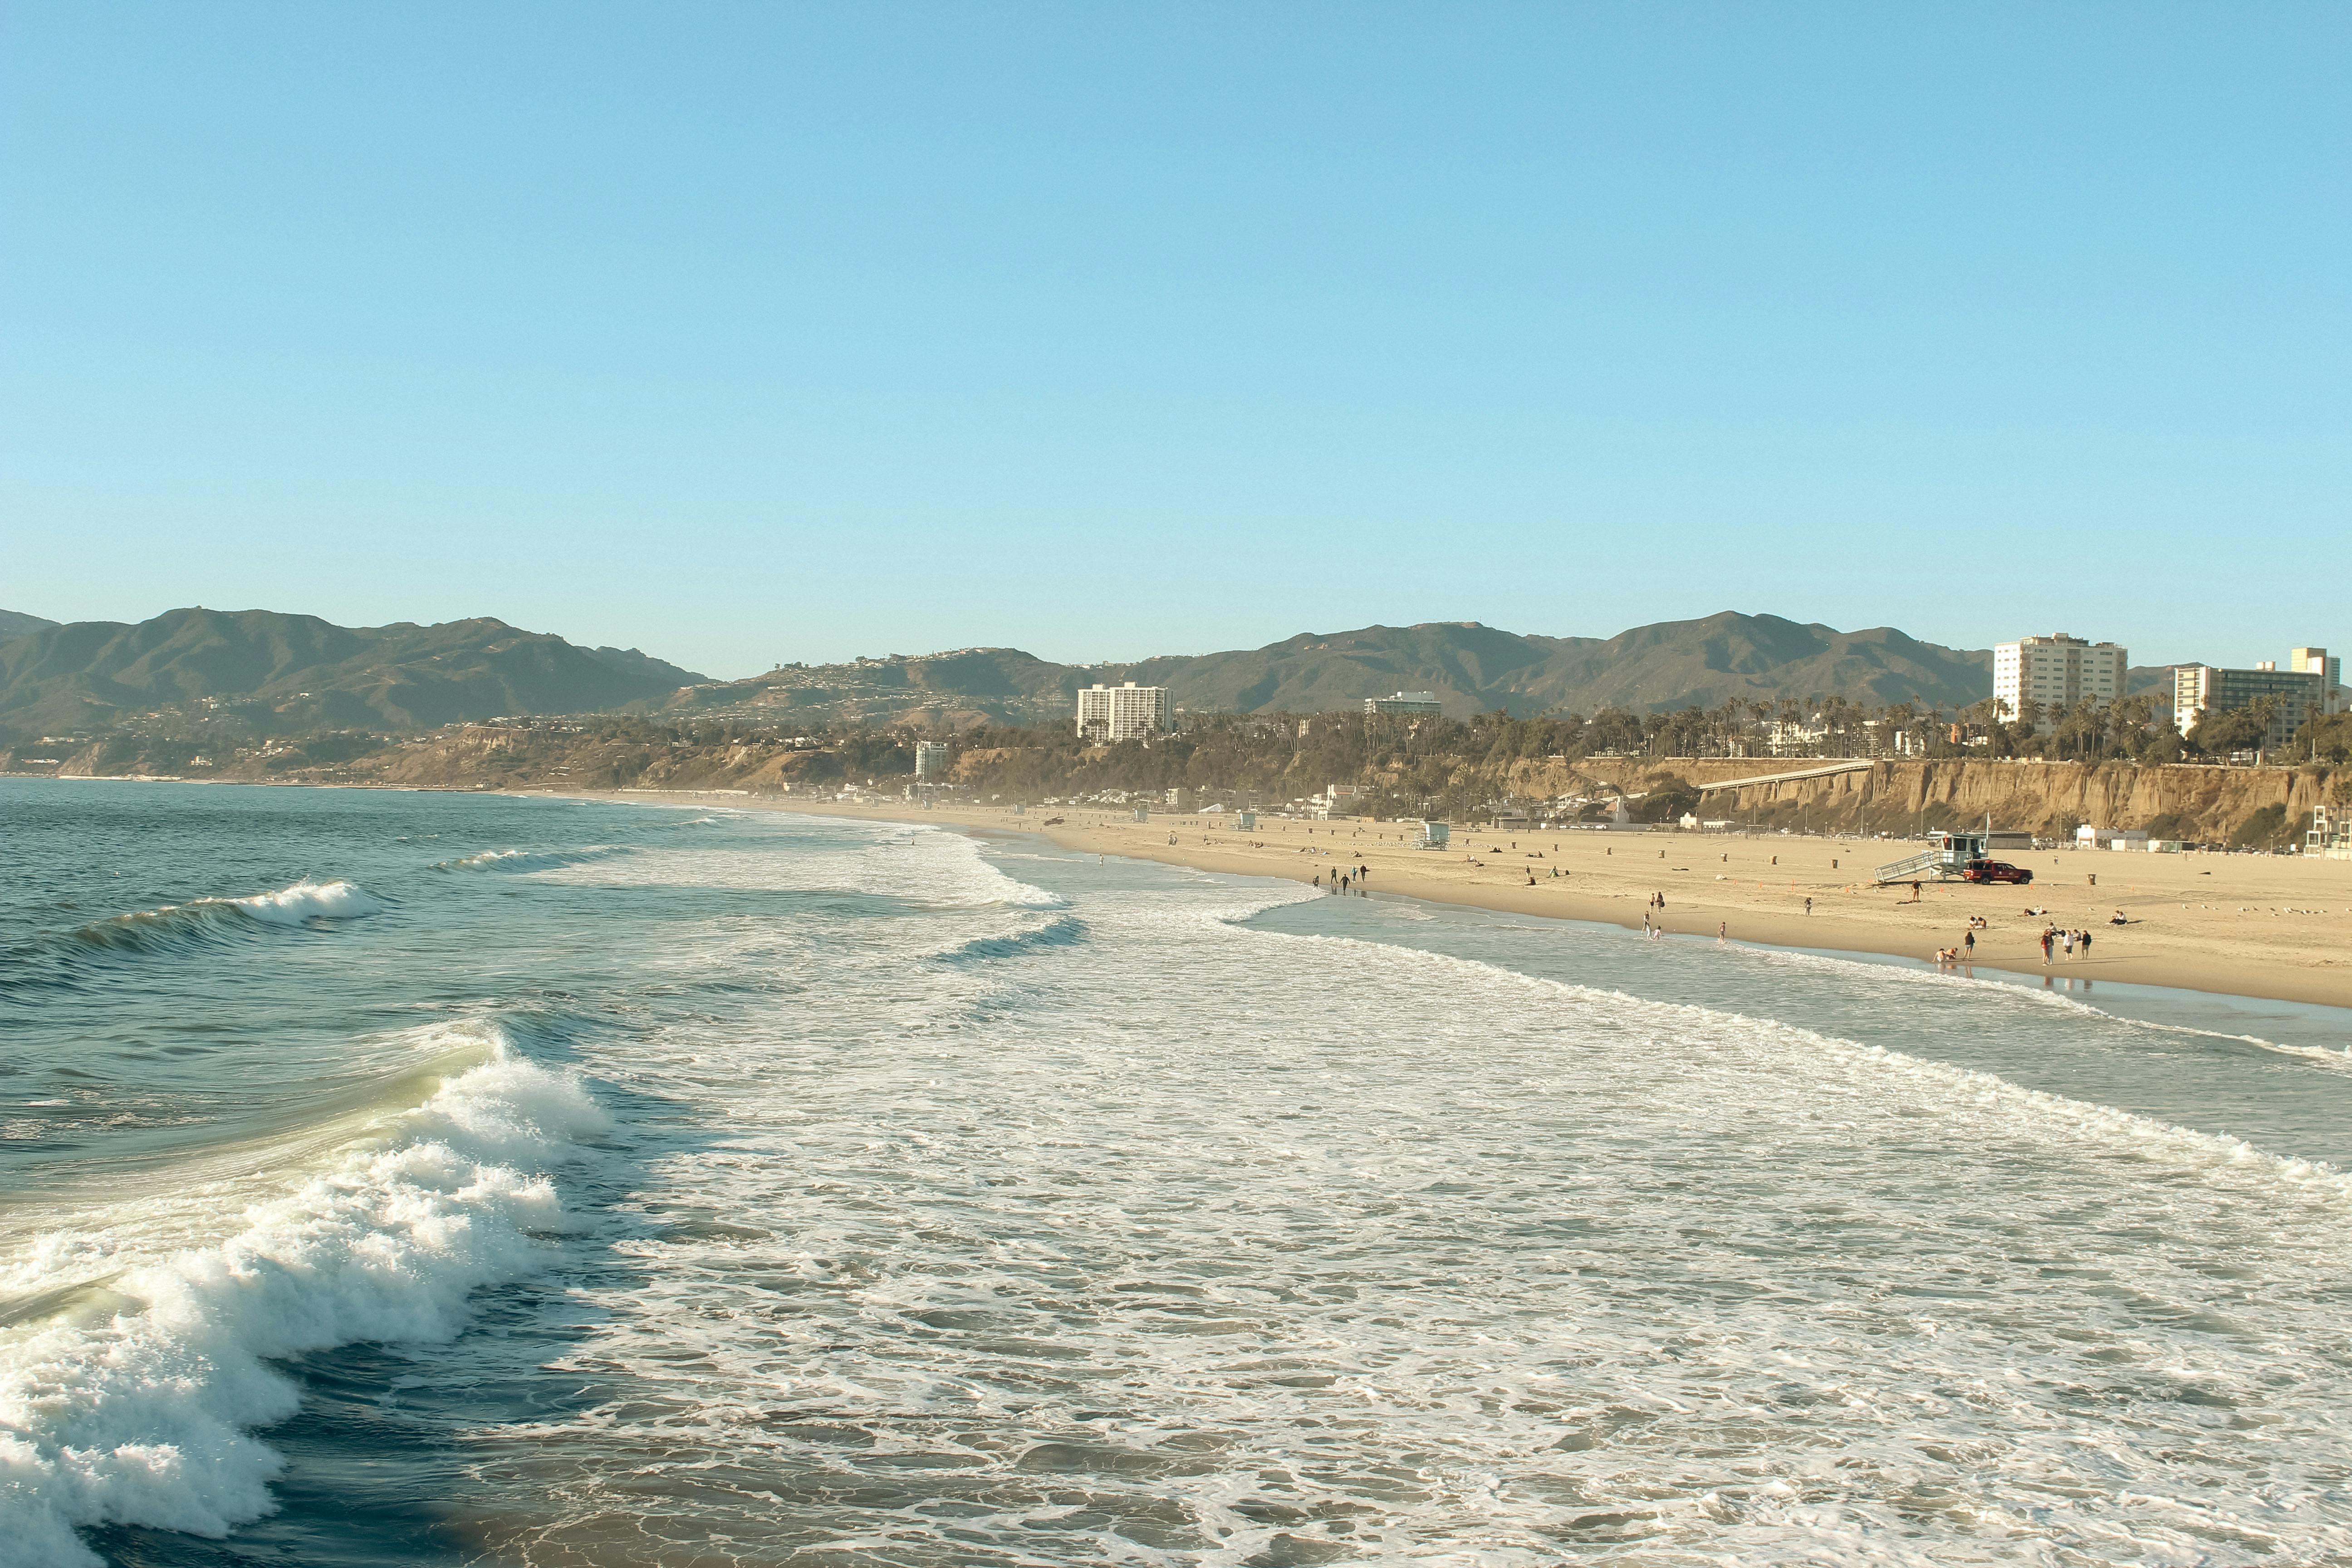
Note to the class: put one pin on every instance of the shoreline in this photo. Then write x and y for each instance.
(1869, 922)
(2263, 940)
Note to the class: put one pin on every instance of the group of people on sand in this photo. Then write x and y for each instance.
(2069, 941)
(2055, 942)
(1655, 929)
(1344, 882)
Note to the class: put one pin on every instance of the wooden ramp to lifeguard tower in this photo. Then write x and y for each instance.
(1945, 856)
(1930, 866)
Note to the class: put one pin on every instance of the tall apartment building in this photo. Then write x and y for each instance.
(1127, 712)
(2310, 688)
(1403, 702)
(2055, 673)
(931, 761)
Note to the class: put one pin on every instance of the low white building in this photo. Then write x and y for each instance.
(1402, 703)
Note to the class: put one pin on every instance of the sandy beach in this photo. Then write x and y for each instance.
(2246, 925)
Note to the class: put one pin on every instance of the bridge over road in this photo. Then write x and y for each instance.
(1825, 771)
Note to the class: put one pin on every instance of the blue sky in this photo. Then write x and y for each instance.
(745, 334)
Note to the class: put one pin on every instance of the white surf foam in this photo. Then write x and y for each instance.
(1239, 1234)
(912, 861)
(307, 900)
(529, 859)
(148, 1417)
(199, 919)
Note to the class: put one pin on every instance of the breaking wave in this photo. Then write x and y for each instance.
(529, 859)
(140, 1410)
(1062, 931)
(179, 924)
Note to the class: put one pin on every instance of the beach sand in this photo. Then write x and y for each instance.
(2248, 925)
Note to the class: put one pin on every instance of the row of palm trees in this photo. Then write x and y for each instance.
(1839, 727)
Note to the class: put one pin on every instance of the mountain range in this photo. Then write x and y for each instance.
(298, 671)
(1470, 667)
(15, 623)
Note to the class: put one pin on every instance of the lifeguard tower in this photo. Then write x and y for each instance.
(1948, 854)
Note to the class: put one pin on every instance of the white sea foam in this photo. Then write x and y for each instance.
(915, 862)
(981, 1223)
(530, 859)
(1858, 972)
(200, 917)
(147, 1416)
(1241, 1246)
(307, 900)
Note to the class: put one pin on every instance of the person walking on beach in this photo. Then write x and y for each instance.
(1809, 905)
(2045, 947)
(1722, 932)
(2066, 946)
(1968, 946)
(2084, 941)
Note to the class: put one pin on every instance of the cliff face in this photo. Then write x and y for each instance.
(2049, 798)
(2206, 804)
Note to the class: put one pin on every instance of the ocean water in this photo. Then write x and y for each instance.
(411, 1179)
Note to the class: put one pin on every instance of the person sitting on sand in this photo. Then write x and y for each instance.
(2119, 919)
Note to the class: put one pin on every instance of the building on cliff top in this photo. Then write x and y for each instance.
(2311, 687)
(2055, 673)
(1128, 713)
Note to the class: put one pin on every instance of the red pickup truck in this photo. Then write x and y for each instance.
(1995, 871)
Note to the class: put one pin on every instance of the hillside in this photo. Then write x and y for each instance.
(284, 673)
(1471, 668)
(17, 624)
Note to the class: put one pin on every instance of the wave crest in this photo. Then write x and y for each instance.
(528, 860)
(147, 1418)
(178, 924)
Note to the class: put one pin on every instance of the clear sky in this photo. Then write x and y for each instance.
(753, 332)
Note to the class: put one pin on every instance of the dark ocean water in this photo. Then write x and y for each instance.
(434, 1179)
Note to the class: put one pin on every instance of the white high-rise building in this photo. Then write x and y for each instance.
(2055, 673)
(1127, 712)
(931, 761)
